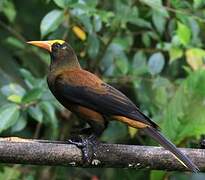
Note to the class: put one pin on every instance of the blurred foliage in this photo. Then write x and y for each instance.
(152, 50)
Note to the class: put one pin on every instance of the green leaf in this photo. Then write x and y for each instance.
(15, 98)
(195, 29)
(126, 14)
(19, 125)
(85, 20)
(157, 6)
(93, 45)
(160, 97)
(122, 63)
(184, 33)
(161, 82)
(156, 63)
(105, 15)
(194, 115)
(173, 113)
(176, 42)
(29, 79)
(142, 23)
(194, 57)
(157, 175)
(51, 22)
(198, 3)
(146, 39)
(160, 89)
(185, 116)
(15, 43)
(8, 9)
(36, 113)
(50, 116)
(107, 62)
(131, 14)
(91, 3)
(9, 115)
(10, 173)
(159, 21)
(49, 109)
(175, 53)
(13, 89)
(132, 131)
(32, 95)
(63, 3)
(139, 65)
(97, 23)
(124, 43)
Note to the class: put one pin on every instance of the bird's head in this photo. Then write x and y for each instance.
(60, 51)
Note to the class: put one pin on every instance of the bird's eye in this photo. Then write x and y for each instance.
(56, 46)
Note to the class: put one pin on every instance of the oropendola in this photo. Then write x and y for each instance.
(94, 100)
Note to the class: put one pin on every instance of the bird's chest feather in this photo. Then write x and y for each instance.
(76, 108)
(59, 95)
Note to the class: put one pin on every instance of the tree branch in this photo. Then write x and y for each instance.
(44, 152)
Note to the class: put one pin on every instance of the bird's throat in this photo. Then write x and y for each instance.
(64, 63)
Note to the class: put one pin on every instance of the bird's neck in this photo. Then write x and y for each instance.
(64, 64)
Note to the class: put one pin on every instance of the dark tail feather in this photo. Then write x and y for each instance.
(156, 135)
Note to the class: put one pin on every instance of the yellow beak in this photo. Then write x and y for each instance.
(42, 44)
(45, 44)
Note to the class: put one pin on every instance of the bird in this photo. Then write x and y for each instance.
(95, 101)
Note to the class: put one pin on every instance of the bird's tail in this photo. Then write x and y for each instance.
(157, 136)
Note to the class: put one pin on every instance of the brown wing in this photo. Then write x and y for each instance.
(84, 88)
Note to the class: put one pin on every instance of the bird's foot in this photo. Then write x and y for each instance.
(202, 144)
(88, 146)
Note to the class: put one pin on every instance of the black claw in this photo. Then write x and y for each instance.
(88, 147)
(78, 144)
